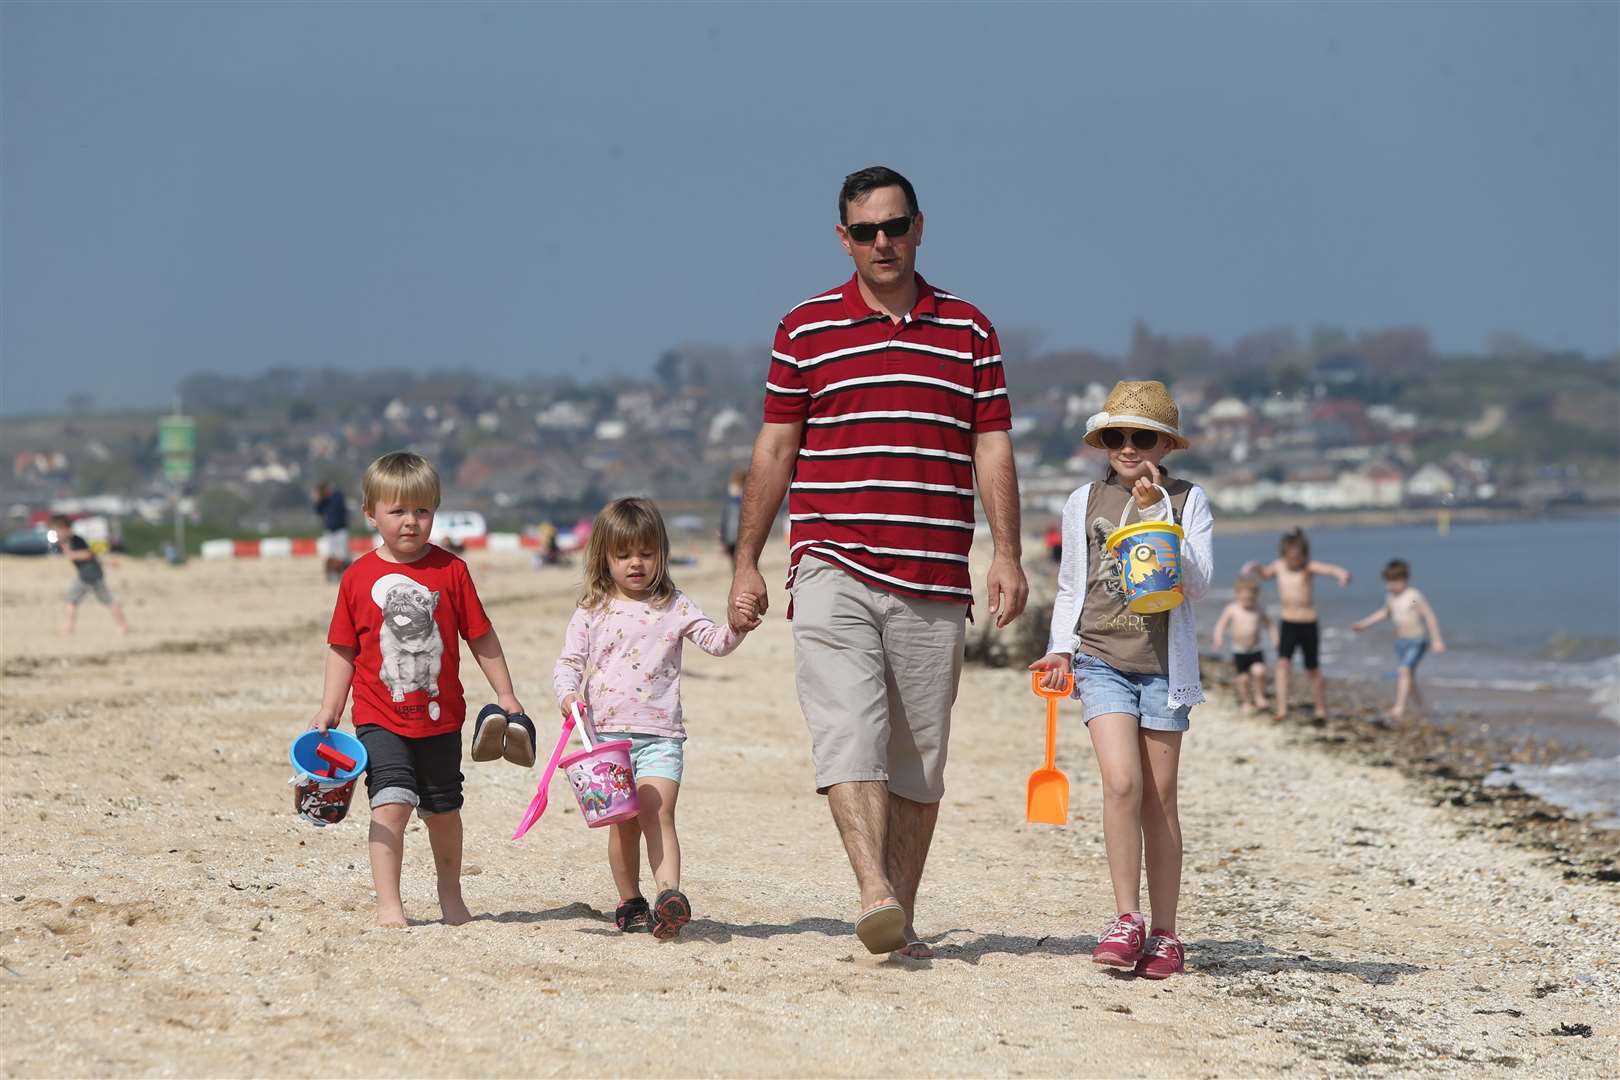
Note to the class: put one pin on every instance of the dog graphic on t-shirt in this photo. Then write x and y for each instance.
(412, 648)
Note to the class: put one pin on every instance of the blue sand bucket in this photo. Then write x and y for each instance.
(1149, 555)
(324, 800)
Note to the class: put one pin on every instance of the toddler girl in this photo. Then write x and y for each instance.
(1135, 675)
(621, 661)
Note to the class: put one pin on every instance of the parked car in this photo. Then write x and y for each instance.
(456, 527)
(29, 541)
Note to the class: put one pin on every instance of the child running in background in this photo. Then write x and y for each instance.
(1249, 624)
(1417, 630)
(1295, 575)
(1136, 675)
(392, 640)
(621, 660)
(92, 578)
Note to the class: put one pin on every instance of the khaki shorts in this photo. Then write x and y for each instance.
(76, 592)
(877, 676)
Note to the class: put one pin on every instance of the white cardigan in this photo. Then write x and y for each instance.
(1197, 567)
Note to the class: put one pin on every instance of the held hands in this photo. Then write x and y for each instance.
(1056, 665)
(746, 581)
(1146, 489)
(744, 612)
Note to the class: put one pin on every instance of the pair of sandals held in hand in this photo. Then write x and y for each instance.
(498, 734)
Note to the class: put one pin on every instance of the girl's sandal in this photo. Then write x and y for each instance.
(633, 916)
(672, 911)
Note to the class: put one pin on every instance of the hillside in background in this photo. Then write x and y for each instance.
(1267, 409)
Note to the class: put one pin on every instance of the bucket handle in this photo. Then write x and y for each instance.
(1130, 501)
(582, 726)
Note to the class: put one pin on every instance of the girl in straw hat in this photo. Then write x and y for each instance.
(1136, 675)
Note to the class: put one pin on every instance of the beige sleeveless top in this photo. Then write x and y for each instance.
(1110, 631)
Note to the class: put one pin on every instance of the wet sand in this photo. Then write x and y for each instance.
(165, 913)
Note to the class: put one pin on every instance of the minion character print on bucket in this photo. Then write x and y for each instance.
(1147, 574)
(1150, 570)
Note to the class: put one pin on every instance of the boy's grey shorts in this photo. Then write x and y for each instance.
(877, 676)
(77, 590)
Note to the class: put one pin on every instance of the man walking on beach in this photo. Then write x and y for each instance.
(885, 402)
(333, 510)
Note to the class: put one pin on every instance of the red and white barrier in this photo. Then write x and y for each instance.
(289, 547)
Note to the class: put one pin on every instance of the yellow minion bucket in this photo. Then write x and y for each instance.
(1149, 555)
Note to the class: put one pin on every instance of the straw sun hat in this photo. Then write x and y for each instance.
(1144, 405)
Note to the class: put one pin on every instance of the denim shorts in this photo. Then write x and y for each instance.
(1101, 690)
(654, 755)
(1409, 650)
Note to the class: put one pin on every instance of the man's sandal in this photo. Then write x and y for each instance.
(882, 929)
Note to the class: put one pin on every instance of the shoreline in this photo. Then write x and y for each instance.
(1452, 765)
(1280, 520)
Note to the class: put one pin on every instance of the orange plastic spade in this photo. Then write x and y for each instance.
(1048, 787)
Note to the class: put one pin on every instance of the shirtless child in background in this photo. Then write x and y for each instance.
(1247, 621)
(1295, 574)
(1416, 630)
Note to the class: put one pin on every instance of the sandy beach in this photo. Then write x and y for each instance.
(166, 914)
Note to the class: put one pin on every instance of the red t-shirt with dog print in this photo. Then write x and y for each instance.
(402, 620)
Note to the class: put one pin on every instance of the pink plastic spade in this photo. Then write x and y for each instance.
(538, 805)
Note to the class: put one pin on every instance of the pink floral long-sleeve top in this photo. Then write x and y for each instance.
(627, 655)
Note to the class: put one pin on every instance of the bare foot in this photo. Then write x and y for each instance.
(455, 912)
(1280, 714)
(392, 920)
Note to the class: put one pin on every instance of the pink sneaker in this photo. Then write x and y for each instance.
(1120, 944)
(1165, 956)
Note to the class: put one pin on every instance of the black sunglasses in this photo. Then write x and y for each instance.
(864, 232)
(1114, 438)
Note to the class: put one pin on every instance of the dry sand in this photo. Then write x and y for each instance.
(165, 913)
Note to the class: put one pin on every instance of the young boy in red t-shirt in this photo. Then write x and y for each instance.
(393, 641)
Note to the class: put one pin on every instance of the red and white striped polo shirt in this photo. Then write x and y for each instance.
(883, 487)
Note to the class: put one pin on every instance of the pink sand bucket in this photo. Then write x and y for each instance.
(603, 782)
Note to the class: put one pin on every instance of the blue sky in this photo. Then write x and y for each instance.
(524, 188)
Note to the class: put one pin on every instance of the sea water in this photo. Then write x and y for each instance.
(1530, 614)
